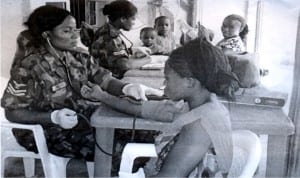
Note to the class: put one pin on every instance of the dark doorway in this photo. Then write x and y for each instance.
(77, 8)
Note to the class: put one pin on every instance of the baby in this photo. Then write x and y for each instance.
(148, 36)
(234, 30)
(162, 25)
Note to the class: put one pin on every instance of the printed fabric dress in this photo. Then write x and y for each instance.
(234, 43)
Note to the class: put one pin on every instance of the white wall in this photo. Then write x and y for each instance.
(13, 14)
(11, 20)
(214, 12)
(277, 36)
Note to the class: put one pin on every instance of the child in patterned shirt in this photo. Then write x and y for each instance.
(234, 29)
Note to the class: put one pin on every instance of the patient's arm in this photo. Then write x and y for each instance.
(126, 105)
(163, 111)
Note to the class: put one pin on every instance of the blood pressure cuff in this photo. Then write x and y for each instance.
(164, 110)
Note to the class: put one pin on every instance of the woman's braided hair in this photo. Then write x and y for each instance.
(201, 60)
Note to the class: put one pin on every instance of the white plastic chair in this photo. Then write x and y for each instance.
(247, 152)
(246, 156)
(53, 166)
(130, 153)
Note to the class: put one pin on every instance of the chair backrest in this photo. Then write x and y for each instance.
(12, 149)
(53, 166)
(246, 154)
(130, 153)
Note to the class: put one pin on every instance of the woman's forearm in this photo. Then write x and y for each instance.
(128, 64)
(152, 110)
(25, 116)
(126, 105)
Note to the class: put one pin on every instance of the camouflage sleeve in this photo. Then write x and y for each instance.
(86, 34)
(18, 93)
(24, 47)
(112, 51)
(104, 78)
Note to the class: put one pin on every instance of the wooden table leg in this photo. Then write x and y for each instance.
(277, 156)
(105, 138)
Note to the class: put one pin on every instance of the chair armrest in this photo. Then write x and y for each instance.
(37, 130)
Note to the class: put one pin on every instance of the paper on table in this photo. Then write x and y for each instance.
(157, 62)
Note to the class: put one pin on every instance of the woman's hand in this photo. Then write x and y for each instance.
(139, 91)
(140, 52)
(66, 118)
(92, 91)
(164, 111)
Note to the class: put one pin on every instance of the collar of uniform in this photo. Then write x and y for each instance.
(113, 31)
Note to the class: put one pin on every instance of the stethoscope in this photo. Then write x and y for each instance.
(63, 61)
(128, 49)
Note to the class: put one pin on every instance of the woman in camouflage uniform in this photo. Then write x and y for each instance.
(45, 85)
(108, 44)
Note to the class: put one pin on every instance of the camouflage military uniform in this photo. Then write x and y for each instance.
(110, 49)
(39, 82)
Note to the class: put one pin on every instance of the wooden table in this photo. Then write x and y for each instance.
(264, 120)
(261, 120)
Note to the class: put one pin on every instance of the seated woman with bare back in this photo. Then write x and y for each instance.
(194, 73)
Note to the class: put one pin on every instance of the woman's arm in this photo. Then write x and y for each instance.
(125, 104)
(163, 111)
(65, 118)
(25, 116)
(132, 63)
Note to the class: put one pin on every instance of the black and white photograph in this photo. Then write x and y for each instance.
(150, 88)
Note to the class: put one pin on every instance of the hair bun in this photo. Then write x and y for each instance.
(106, 9)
